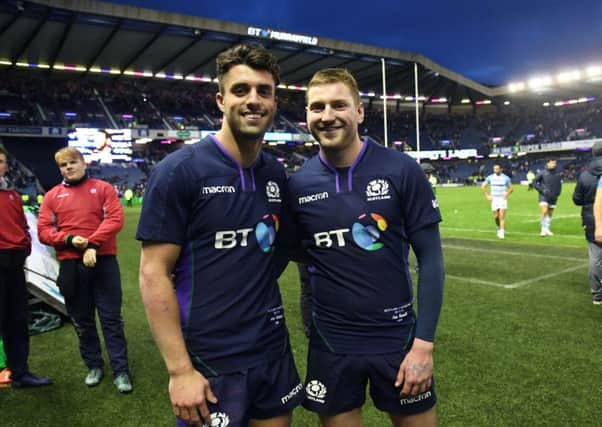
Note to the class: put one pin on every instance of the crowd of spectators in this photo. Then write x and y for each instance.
(54, 99)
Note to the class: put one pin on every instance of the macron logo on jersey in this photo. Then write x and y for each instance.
(218, 189)
(313, 197)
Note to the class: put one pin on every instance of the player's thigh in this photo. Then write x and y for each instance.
(424, 419)
(351, 418)
(275, 390)
(386, 397)
(543, 207)
(335, 383)
(279, 421)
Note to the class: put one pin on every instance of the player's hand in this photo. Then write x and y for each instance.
(79, 242)
(416, 370)
(90, 257)
(488, 197)
(598, 234)
(189, 392)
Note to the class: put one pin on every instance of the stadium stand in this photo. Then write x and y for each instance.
(31, 96)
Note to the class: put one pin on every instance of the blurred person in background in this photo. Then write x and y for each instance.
(584, 196)
(500, 187)
(548, 184)
(80, 218)
(15, 246)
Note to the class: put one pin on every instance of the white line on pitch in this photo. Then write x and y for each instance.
(515, 284)
(545, 276)
(561, 216)
(502, 252)
(521, 233)
(473, 280)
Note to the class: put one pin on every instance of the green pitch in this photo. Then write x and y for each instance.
(518, 342)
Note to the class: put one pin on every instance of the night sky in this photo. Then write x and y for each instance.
(492, 42)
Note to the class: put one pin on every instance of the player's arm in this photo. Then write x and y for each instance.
(189, 390)
(509, 190)
(416, 370)
(110, 225)
(48, 231)
(579, 194)
(538, 182)
(25, 227)
(484, 189)
(112, 221)
(598, 213)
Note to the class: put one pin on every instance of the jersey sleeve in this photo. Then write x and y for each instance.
(167, 203)
(113, 217)
(48, 233)
(419, 205)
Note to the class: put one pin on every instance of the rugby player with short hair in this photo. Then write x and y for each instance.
(548, 184)
(209, 218)
(358, 208)
(500, 188)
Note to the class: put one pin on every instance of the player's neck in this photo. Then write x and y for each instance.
(245, 152)
(342, 158)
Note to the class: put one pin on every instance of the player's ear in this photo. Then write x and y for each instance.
(360, 112)
(219, 100)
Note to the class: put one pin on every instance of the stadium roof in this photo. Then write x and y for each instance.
(92, 36)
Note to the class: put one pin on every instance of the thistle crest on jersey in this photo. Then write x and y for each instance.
(377, 189)
(218, 419)
(272, 190)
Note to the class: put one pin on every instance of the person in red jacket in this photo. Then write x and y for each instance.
(15, 246)
(80, 218)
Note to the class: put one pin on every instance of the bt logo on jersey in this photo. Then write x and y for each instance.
(264, 232)
(228, 239)
(324, 239)
(366, 233)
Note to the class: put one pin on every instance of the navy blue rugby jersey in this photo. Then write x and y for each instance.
(354, 224)
(225, 219)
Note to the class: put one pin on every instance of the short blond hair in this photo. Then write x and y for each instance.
(335, 75)
(67, 153)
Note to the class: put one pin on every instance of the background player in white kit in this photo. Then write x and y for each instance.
(500, 188)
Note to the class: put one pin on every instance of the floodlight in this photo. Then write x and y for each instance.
(594, 71)
(568, 76)
(540, 82)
